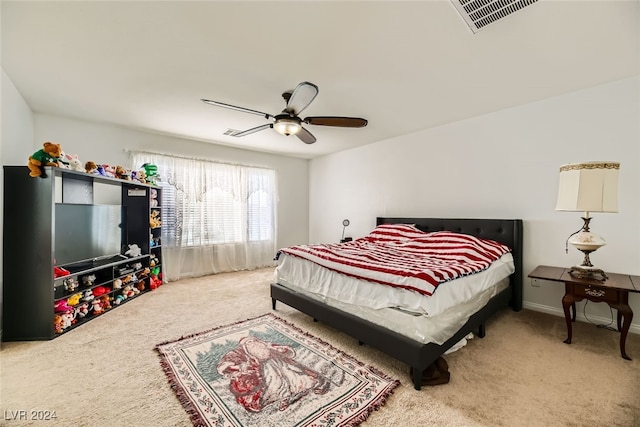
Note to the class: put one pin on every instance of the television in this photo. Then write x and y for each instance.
(87, 232)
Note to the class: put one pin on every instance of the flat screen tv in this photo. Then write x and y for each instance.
(87, 232)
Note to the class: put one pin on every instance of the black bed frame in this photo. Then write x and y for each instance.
(418, 355)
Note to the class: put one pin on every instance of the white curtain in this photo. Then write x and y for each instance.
(216, 217)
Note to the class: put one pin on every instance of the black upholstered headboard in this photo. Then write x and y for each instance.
(505, 231)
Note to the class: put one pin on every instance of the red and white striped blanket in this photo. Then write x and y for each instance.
(405, 257)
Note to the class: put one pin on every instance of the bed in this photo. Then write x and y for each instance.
(416, 350)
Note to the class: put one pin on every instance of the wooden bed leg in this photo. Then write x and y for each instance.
(273, 303)
(481, 330)
(417, 378)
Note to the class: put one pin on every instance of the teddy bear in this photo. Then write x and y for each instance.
(58, 323)
(122, 173)
(90, 167)
(70, 284)
(49, 155)
(154, 219)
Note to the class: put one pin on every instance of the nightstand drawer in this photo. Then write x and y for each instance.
(595, 294)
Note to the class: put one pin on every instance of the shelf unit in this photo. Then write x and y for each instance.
(34, 297)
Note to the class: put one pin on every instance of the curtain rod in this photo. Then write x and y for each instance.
(202, 159)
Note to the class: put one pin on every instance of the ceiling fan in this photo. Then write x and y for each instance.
(288, 122)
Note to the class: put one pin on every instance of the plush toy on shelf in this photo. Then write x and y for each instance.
(88, 296)
(62, 306)
(117, 283)
(154, 219)
(82, 310)
(118, 299)
(153, 198)
(90, 167)
(73, 162)
(70, 284)
(133, 251)
(152, 173)
(58, 324)
(97, 307)
(74, 299)
(49, 155)
(123, 173)
(59, 271)
(88, 280)
(109, 171)
(106, 302)
(99, 291)
(153, 261)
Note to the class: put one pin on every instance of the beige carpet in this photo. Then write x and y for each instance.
(106, 372)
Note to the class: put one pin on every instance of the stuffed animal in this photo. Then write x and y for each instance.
(151, 172)
(99, 291)
(49, 155)
(122, 173)
(90, 167)
(59, 272)
(82, 310)
(74, 299)
(109, 171)
(153, 261)
(154, 219)
(117, 284)
(96, 307)
(88, 280)
(106, 301)
(73, 162)
(62, 306)
(153, 198)
(118, 299)
(68, 319)
(71, 284)
(128, 292)
(133, 251)
(88, 296)
(58, 323)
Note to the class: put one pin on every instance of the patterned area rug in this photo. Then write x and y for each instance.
(267, 372)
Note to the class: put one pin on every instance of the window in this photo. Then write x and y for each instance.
(212, 204)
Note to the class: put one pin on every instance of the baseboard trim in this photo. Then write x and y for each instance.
(634, 328)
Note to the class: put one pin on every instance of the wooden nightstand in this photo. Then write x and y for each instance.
(614, 291)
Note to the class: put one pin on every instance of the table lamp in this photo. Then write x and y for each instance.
(588, 187)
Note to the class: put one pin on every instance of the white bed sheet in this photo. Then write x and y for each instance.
(325, 285)
(421, 328)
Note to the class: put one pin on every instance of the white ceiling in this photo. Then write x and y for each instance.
(404, 66)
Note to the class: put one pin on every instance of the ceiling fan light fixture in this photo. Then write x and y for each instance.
(287, 126)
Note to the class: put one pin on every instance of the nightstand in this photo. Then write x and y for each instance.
(613, 291)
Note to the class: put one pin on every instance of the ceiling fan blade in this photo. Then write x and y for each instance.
(305, 136)
(345, 122)
(234, 107)
(253, 130)
(301, 97)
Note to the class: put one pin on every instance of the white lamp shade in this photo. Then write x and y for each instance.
(588, 187)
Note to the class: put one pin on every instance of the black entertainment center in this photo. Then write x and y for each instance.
(65, 239)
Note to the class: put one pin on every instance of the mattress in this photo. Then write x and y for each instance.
(326, 284)
(423, 319)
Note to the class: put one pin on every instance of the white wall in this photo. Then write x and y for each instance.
(106, 144)
(501, 165)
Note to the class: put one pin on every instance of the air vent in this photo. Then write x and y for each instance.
(480, 13)
(231, 132)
